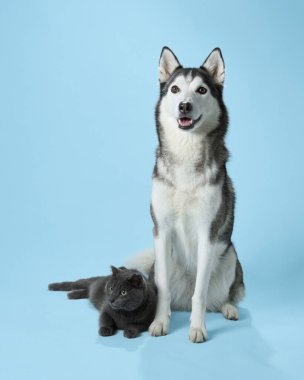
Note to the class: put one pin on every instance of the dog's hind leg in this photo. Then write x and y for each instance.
(236, 293)
(230, 311)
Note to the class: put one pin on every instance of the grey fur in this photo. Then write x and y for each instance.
(237, 289)
(132, 312)
(222, 225)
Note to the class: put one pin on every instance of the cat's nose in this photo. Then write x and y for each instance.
(111, 300)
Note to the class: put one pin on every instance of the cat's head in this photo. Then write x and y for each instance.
(125, 289)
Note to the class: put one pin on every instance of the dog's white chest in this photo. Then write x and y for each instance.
(186, 212)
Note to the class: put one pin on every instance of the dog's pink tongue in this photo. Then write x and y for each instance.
(185, 122)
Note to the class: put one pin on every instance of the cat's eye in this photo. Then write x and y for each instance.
(111, 288)
(201, 90)
(123, 292)
(174, 89)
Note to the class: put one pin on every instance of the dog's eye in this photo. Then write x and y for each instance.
(123, 292)
(174, 89)
(201, 90)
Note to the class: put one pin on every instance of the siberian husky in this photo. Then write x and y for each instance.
(195, 263)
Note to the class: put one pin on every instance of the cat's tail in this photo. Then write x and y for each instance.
(77, 289)
(142, 261)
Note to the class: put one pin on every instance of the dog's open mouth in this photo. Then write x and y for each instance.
(187, 122)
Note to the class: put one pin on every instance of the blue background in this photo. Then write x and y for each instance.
(78, 85)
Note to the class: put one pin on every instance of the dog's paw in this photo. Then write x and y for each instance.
(230, 312)
(159, 327)
(106, 331)
(198, 335)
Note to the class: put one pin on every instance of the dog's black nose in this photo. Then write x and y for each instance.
(185, 107)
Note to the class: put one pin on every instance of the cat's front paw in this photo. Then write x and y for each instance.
(198, 335)
(131, 333)
(159, 327)
(106, 331)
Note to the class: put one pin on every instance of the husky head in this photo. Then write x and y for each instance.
(191, 98)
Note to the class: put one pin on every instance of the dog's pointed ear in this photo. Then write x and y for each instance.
(168, 63)
(215, 66)
(136, 280)
(114, 270)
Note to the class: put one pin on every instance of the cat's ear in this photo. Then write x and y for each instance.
(136, 280)
(122, 268)
(114, 270)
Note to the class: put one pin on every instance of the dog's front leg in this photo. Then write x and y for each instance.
(198, 331)
(163, 247)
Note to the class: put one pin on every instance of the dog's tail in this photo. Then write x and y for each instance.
(142, 261)
(77, 289)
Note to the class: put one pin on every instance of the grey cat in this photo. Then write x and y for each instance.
(126, 300)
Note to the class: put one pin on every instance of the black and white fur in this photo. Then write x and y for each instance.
(196, 265)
